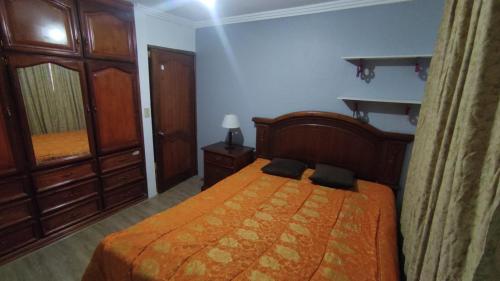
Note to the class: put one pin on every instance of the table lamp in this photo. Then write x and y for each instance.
(230, 122)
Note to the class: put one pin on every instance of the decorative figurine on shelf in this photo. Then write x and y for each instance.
(230, 122)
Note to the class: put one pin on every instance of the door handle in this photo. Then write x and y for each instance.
(161, 133)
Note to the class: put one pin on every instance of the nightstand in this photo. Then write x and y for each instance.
(221, 162)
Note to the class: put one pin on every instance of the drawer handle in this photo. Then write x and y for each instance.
(123, 178)
(135, 153)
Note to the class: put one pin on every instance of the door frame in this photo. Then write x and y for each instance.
(155, 137)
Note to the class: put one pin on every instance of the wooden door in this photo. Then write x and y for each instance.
(108, 30)
(115, 104)
(42, 26)
(9, 154)
(174, 116)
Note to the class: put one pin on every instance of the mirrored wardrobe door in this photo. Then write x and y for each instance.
(52, 98)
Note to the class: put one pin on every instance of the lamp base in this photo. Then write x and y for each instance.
(229, 142)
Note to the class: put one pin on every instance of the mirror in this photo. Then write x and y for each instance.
(54, 106)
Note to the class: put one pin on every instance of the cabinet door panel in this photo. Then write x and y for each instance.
(9, 154)
(48, 26)
(114, 90)
(108, 31)
(7, 162)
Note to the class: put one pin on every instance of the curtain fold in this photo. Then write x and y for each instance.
(452, 188)
(53, 98)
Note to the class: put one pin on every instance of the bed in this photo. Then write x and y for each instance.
(254, 226)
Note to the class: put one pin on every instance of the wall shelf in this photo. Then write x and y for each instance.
(411, 58)
(380, 100)
(362, 61)
(356, 100)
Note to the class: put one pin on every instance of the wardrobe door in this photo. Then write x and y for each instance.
(108, 30)
(8, 153)
(53, 108)
(115, 104)
(42, 26)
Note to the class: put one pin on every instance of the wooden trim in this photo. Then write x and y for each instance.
(332, 138)
(163, 186)
(178, 51)
(332, 116)
(120, 4)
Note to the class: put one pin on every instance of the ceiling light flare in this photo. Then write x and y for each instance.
(209, 3)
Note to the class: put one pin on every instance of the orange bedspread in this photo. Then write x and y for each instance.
(56, 145)
(254, 226)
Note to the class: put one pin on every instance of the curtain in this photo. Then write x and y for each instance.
(452, 190)
(53, 98)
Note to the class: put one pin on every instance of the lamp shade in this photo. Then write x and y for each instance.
(230, 121)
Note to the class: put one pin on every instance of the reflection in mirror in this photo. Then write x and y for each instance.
(54, 106)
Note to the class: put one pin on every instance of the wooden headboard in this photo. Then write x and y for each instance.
(331, 138)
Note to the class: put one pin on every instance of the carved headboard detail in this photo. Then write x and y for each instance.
(331, 138)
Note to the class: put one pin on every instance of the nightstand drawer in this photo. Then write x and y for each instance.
(218, 159)
(214, 174)
(221, 161)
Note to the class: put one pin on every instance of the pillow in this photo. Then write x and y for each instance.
(332, 176)
(285, 168)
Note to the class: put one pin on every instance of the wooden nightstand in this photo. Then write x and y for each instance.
(221, 162)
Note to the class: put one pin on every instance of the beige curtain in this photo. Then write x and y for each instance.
(53, 98)
(448, 221)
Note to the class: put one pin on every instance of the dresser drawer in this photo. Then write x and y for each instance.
(53, 178)
(15, 212)
(214, 174)
(58, 198)
(120, 160)
(13, 189)
(70, 215)
(122, 178)
(17, 237)
(124, 194)
(218, 159)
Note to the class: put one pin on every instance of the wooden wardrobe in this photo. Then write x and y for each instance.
(71, 147)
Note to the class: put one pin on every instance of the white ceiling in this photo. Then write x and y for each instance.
(195, 11)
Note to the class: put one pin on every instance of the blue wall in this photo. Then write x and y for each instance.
(268, 68)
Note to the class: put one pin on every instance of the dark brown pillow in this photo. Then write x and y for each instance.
(285, 168)
(332, 176)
